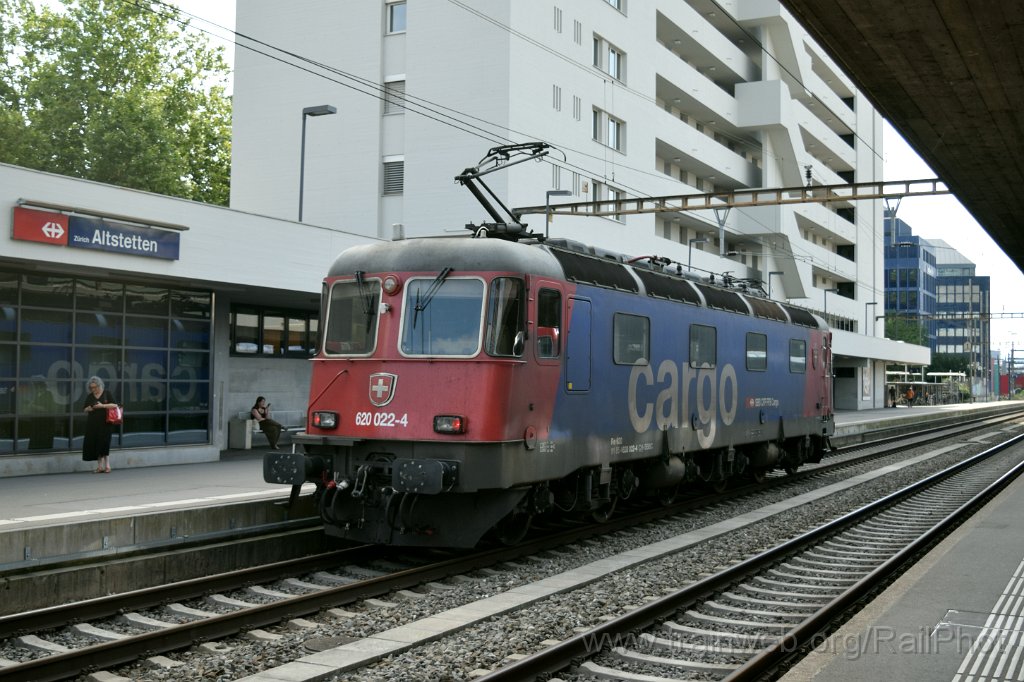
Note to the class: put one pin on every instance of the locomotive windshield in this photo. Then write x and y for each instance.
(442, 316)
(352, 318)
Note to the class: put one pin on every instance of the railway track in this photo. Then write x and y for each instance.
(748, 621)
(129, 637)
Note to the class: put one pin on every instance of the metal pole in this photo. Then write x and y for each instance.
(547, 205)
(866, 305)
(319, 110)
(721, 214)
(689, 256)
(302, 163)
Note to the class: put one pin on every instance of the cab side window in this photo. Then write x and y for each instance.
(549, 323)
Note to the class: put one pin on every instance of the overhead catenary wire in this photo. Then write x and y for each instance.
(451, 117)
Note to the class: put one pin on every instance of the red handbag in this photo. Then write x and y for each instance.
(115, 415)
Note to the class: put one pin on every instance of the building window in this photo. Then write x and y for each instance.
(617, 4)
(609, 59)
(615, 195)
(558, 20)
(394, 97)
(577, 32)
(609, 131)
(577, 108)
(151, 346)
(396, 17)
(394, 176)
(273, 332)
(556, 97)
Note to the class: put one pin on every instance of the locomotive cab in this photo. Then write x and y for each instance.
(428, 387)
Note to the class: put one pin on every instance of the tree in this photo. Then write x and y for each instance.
(949, 362)
(116, 91)
(906, 329)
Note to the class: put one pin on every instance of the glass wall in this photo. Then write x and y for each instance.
(150, 345)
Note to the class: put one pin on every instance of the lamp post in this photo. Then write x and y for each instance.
(547, 205)
(866, 306)
(320, 110)
(689, 257)
(773, 272)
(825, 298)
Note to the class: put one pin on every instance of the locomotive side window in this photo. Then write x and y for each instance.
(549, 323)
(797, 356)
(442, 316)
(757, 352)
(703, 346)
(631, 339)
(352, 318)
(505, 316)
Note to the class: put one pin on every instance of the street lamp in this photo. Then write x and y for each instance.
(825, 299)
(866, 316)
(773, 272)
(689, 257)
(547, 205)
(321, 110)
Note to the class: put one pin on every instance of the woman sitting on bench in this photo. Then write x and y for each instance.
(261, 413)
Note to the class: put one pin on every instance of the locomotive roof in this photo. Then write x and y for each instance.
(431, 254)
(561, 261)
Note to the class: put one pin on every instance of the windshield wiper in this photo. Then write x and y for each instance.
(365, 296)
(428, 295)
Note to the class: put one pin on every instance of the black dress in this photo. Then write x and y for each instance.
(97, 430)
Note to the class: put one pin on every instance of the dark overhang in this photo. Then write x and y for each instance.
(949, 76)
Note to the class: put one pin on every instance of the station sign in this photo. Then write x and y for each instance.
(98, 234)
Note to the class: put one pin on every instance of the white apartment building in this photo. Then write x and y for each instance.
(654, 98)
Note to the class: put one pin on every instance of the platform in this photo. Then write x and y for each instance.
(956, 615)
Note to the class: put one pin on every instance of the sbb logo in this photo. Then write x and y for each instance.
(53, 230)
(40, 226)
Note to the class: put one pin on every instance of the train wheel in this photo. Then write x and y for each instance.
(758, 475)
(513, 528)
(666, 496)
(605, 511)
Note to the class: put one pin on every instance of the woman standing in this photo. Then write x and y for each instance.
(261, 413)
(96, 447)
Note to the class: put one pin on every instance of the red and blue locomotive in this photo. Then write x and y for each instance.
(464, 386)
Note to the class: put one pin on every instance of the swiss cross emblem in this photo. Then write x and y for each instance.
(382, 388)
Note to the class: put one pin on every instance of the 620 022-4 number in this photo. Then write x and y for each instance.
(384, 419)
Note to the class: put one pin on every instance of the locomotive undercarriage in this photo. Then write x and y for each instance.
(381, 497)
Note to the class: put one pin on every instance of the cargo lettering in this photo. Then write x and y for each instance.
(715, 396)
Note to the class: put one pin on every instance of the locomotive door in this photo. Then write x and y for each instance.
(577, 351)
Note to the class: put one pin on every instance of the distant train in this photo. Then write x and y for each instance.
(464, 386)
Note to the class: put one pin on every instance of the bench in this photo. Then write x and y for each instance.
(242, 429)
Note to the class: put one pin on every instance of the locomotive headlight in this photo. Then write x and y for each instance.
(449, 423)
(325, 420)
(391, 285)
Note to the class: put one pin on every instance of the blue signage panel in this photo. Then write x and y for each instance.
(103, 235)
